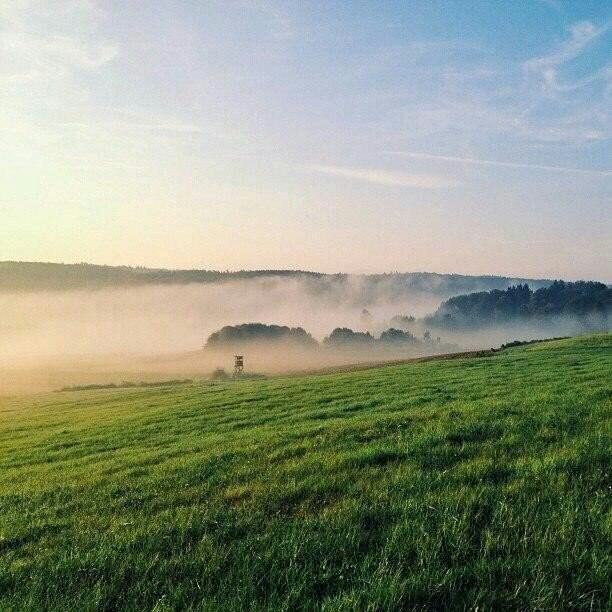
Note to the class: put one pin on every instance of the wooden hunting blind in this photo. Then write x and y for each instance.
(238, 365)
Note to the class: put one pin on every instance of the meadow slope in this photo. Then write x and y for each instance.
(459, 483)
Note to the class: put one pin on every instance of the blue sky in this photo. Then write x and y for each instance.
(464, 137)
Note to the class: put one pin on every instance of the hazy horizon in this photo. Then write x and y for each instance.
(500, 274)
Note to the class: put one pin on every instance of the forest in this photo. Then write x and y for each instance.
(587, 301)
(21, 276)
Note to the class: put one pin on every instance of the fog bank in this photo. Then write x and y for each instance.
(174, 318)
(52, 339)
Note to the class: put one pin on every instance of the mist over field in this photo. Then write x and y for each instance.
(176, 318)
(162, 319)
(52, 338)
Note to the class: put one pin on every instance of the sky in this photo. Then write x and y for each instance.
(355, 136)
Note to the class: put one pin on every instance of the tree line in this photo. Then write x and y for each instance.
(588, 301)
(232, 335)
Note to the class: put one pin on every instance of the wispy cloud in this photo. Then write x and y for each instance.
(58, 52)
(178, 128)
(42, 40)
(385, 177)
(487, 162)
(582, 34)
(465, 100)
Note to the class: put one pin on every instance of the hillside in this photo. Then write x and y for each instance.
(41, 276)
(468, 483)
(585, 301)
(37, 276)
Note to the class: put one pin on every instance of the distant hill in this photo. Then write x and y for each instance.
(36, 276)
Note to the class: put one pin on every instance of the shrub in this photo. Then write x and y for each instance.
(219, 374)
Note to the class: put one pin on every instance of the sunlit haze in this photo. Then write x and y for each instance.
(468, 137)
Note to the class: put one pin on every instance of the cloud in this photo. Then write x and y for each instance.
(384, 177)
(463, 101)
(603, 74)
(58, 52)
(582, 34)
(42, 39)
(486, 162)
(161, 126)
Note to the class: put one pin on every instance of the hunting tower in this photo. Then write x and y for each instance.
(238, 365)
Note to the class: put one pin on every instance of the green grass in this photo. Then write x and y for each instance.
(466, 483)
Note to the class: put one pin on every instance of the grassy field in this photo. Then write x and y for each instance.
(463, 483)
